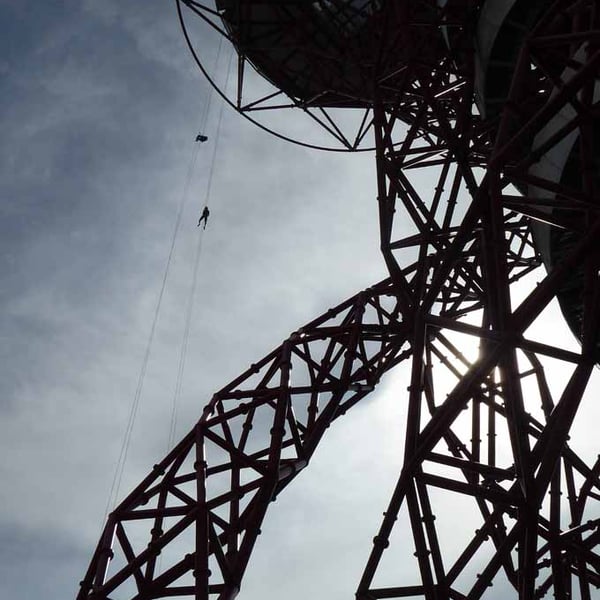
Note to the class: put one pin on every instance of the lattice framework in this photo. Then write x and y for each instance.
(486, 421)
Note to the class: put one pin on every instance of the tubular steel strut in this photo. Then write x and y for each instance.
(486, 422)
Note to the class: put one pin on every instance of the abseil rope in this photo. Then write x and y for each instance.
(122, 459)
(192, 294)
(120, 467)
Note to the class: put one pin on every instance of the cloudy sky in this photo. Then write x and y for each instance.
(99, 108)
(100, 105)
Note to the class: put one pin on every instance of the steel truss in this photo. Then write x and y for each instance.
(253, 438)
(487, 423)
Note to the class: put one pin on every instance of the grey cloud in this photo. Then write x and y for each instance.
(99, 107)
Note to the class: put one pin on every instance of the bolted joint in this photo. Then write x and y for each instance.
(200, 465)
(200, 572)
(108, 553)
(381, 542)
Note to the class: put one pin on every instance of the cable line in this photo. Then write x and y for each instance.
(120, 467)
(192, 293)
(122, 459)
(206, 109)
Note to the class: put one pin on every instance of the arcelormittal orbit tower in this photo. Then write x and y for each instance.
(485, 124)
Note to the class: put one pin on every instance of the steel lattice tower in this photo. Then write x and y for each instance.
(496, 101)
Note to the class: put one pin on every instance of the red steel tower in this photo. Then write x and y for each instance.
(484, 116)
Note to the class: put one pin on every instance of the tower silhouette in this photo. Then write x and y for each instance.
(484, 116)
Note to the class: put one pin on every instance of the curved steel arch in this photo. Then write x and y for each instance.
(253, 438)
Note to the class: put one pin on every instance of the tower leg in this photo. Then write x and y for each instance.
(488, 426)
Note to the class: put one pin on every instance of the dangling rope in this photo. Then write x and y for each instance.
(206, 110)
(120, 467)
(122, 459)
(192, 294)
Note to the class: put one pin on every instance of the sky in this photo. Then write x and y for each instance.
(99, 107)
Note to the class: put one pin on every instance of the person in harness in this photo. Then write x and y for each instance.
(204, 217)
(201, 138)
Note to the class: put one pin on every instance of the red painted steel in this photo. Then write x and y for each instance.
(486, 420)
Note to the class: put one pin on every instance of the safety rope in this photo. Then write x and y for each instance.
(206, 109)
(122, 459)
(193, 287)
(120, 467)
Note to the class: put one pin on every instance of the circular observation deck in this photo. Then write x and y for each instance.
(326, 53)
(501, 30)
(335, 60)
